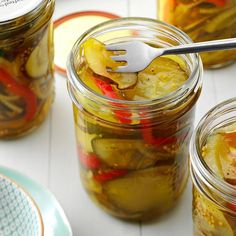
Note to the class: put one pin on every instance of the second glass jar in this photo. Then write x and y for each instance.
(202, 21)
(26, 69)
(133, 155)
(212, 153)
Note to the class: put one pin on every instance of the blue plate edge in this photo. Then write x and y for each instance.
(32, 187)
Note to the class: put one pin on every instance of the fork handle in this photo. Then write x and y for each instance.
(214, 45)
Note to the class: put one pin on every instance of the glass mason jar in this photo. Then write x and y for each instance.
(203, 21)
(214, 201)
(26, 65)
(133, 155)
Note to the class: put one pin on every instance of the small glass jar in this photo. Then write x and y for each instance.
(26, 65)
(214, 199)
(203, 21)
(133, 155)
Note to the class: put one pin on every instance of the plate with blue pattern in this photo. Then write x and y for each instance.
(19, 214)
(28, 207)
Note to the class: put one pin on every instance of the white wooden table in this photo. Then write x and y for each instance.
(48, 155)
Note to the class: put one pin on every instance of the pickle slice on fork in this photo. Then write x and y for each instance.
(99, 59)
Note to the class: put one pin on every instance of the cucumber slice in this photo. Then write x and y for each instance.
(208, 219)
(84, 139)
(98, 59)
(220, 153)
(221, 21)
(211, 153)
(163, 76)
(126, 153)
(88, 182)
(38, 61)
(91, 125)
(143, 190)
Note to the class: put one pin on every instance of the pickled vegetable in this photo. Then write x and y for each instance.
(208, 219)
(204, 20)
(135, 168)
(37, 64)
(142, 190)
(126, 154)
(219, 154)
(159, 79)
(26, 74)
(163, 76)
(99, 59)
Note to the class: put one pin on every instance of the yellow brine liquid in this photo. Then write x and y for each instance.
(203, 20)
(219, 153)
(132, 172)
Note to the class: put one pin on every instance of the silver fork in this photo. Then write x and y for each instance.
(138, 55)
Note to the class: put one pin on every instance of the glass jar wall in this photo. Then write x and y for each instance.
(212, 153)
(26, 68)
(202, 21)
(133, 155)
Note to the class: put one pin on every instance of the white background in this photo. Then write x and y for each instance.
(48, 155)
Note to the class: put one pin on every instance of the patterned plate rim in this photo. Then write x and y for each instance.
(31, 201)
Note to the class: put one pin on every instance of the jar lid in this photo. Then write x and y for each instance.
(11, 9)
(69, 28)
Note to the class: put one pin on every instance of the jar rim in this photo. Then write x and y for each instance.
(199, 168)
(192, 83)
(32, 15)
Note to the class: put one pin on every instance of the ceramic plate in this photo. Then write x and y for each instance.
(19, 214)
(54, 219)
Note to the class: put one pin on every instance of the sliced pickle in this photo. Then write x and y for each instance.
(85, 139)
(91, 125)
(101, 112)
(208, 219)
(220, 154)
(161, 77)
(211, 153)
(126, 153)
(87, 77)
(228, 157)
(142, 190)
(220, 21)
(98, 59)
(124, 80)
(88, 182)
(37, 64)
(183, 16)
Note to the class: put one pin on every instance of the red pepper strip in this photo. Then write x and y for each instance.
(20, 90)
(105, 176)
(157, 141)
(89, 160)
(123, 116)
(150, 139)
(230, 138)
(219, 3)
(231, 206)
